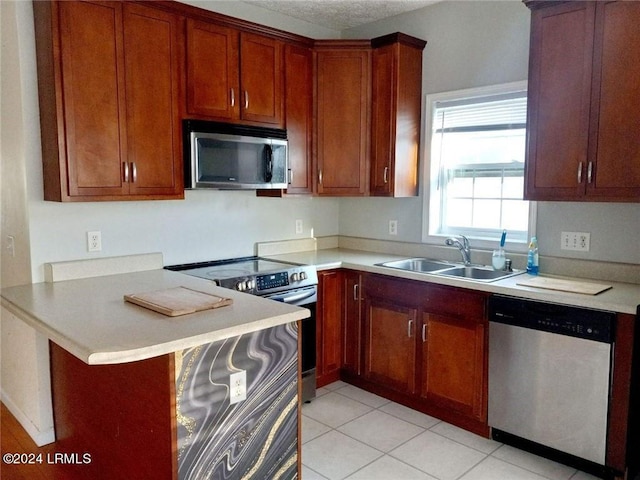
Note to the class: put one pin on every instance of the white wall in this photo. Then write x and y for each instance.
(24, 367)
(472, 44)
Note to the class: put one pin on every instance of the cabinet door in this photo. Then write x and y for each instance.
(153, 56)
(343, 99)
(261, 79)
(329, 328)
(614, 163)
(352, 323)
(213, 86)
(559, 101)
(299, 114)
(395, 118)
(390, 345)
(453, 351)
(91, 49)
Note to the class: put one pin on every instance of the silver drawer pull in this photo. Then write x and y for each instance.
(355, 292)
(385, 175)
(246, 100)
(580, 172)
(233, 97)
(589, 172)
(409, 328)
(125, 172)
(134, 172)
(424, 332)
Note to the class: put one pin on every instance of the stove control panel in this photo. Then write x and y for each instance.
(272, 280)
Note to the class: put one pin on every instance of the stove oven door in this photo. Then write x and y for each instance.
(305, 297)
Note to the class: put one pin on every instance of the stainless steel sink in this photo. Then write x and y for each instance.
(423, 265)
(440, 267)
(477, 273)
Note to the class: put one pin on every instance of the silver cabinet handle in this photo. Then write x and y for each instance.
(424, 332)
(125, 172)
(134, 172)
(580, 172)
(385, 175)
(233, 97)
(409, 329)
(290, 181)
(355, 292)
(589, 172)
(246, 100)
(320, 176)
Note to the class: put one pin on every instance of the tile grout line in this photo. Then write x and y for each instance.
(424, 429)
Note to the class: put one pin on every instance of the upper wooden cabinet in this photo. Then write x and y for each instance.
(109, 90)
(233, 75)
(395, 117)
(584, 104)
(298, 74)
(343, 100)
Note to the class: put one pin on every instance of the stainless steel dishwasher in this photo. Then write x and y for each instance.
(549, 379)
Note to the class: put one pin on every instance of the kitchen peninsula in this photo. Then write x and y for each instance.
(137, 394)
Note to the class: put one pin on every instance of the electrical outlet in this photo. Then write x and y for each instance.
(299, 227)
(94, 241)
(11, 245)
(393, 227)
(237, 387)
(578, 241)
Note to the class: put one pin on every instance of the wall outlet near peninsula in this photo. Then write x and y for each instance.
(94, 241)
(299, 227)
(578, 241)
(237, 387)
(393, 227)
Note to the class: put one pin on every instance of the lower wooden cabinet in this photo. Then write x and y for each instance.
(328, 327)
(452, 366)
(390, 346)
(352, 322)
(420, 344)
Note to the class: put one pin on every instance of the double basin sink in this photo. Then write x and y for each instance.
(449, 269)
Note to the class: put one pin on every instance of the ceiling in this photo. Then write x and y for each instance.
(341, 14)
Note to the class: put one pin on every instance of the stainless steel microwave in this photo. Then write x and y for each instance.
(234, 157)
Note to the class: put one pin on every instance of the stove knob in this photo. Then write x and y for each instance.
(241, 286)
(303, 276)
(294, 277)
(251, 284)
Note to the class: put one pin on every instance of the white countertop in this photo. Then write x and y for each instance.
(90, 319)
(622, 298)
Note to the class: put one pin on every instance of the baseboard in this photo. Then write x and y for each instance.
(39, 437)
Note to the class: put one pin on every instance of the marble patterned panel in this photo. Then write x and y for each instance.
(254, 439)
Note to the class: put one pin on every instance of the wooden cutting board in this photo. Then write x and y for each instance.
(177, 301)
(564, 285)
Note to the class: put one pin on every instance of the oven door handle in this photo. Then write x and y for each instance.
(294, 297)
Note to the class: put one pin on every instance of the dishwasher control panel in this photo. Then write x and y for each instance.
(577, 322)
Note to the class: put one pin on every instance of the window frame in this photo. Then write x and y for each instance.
(430, 171)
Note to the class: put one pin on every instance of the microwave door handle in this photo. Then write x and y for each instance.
(268, 175)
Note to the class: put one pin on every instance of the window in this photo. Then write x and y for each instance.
(476, 158)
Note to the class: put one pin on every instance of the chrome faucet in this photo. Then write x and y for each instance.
(462, 243)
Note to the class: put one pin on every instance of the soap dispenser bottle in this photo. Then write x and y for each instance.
(532, 257)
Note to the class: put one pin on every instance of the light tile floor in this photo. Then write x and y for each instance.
(348, 433)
